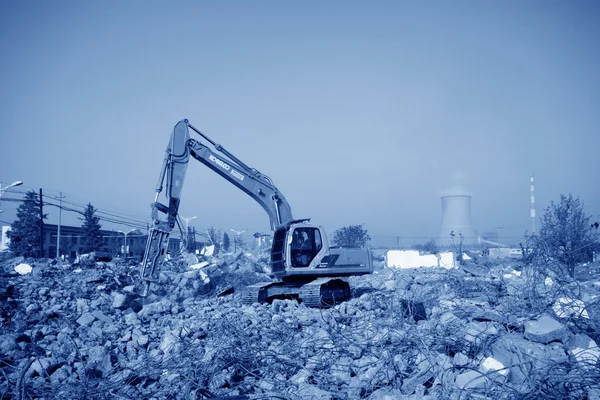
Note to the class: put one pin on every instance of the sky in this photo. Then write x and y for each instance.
(360, 112)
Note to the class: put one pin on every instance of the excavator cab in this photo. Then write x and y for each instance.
(306, 242)
(297, 248)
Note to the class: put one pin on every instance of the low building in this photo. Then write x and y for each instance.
(113, 242)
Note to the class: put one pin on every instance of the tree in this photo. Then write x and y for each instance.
(239, 242)
(226, 242)
(191, 240)
(92, 240)
(566, 233)
(25, 231)
(214, 236)
(428, 247)
(351, 236)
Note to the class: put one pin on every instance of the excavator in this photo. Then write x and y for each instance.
(301, 260)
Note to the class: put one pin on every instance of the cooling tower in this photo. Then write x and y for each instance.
(456, 219)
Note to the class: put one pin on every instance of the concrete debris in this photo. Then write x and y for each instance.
(522, 356)
(386, 394)
(545, 329)
(585, 350)
(490, 364)
(566, 307)
(424, 333)
(23, 269)
(476, 332)
(471, 379)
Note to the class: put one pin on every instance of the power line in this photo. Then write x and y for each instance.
(103, 210)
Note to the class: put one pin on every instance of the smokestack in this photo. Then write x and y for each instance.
(532, 213)
(456, 219)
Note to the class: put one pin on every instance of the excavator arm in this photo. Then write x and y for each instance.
(177, 155)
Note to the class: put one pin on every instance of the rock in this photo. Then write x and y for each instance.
(61, 375)
(23, 269)
(470, 380)
(158, 307)
(584, 350)
(476, 332)
(566, 307)
(119, 301)
(389, 285)
(593, 394)
(102, 317)
(523, 356)
(168, 342)
(99, 357)
(82, 306)
(131, 318)
(307, 391)
(143, 340)
(39, 366)
(386, 394)
(86, 319)
(545, 330)
(460, 359)
(129, 289)
(490, 364)
(300, 376)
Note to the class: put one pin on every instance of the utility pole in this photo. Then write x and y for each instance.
(532, 207)
(41, 225)
(398, 242)
(59, 221)
(194, 239)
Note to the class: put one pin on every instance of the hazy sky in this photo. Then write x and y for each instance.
(361, 112)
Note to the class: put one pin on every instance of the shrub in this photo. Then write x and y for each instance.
(566, 237)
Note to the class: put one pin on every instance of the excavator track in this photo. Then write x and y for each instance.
(256, 293)
(324, 292)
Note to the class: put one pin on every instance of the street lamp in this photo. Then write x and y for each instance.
(125, 252)
(238, 233)
(187, 231)
(187, 222)
(4, 189)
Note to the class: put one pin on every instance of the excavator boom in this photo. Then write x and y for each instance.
(174, 167)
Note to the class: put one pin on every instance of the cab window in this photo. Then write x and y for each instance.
(306, 243)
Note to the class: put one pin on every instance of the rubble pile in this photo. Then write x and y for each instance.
(82, 331)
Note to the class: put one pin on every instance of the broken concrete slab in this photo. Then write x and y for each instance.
(566, 307)
(86, 319)
(490, 365)
(157, 307)
(584, 350)
(23, 269)
(386, 394)
(100, 316)
(545, 329)
(471, 380)
(522, 356)
(476, 332)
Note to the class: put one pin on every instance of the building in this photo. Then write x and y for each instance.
(113, 242)
(5, 239)
(72, 241)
